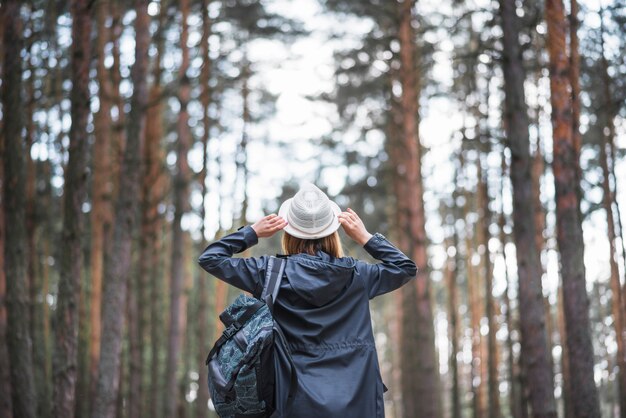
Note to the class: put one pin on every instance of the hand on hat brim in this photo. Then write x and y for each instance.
(269, 225)
(354, 227)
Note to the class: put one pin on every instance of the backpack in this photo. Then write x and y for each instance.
(241, 364)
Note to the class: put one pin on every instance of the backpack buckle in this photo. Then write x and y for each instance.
(230, 331)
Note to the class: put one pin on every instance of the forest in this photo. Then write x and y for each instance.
(485, 138)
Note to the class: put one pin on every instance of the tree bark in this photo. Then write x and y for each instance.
(452, 272)
(617, 303)
(567, 399)
(118, 262)
(18, 336)
(154, 189)
(102, 210)
(420, 388)
(474, 305)
(5, 375)
(584, 395)
(607, 162)
(515, 393)
(534, 340)
(75, 194)
(154, 185)
(203, 300)
(181, 203)
(574, 77)
(490, 311)
(393, 129)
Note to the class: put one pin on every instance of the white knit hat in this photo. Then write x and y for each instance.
(310, 213)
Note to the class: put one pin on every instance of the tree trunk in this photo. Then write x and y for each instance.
(420, 379)
(452, 271)
(565, 165)
(5, 375)
(101, 206)
(392, 147)
(75, 194)
(473, 298)
(515, 393)
(181, 203)
(118, 263)
(453, 318)
(567, 399)
(203, 300)
(18, 336)
(619, 297)
(617, 304)
(534, 340)
(490, 311)
(41, 373)
(574, 78)
(135, 342)
(537, 170)
(118, 139)
(154, 189)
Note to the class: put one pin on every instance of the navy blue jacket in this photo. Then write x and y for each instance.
(323, 309)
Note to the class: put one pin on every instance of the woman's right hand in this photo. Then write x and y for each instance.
(354, 227)
(269, 225)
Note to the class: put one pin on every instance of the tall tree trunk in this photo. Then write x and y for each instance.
(473, 297)
(617, 303)
(154, 184)
(420, 388)
(393, 148)
(41, 373)
(242, 152)
(154, 189)
(19, 344)
(565, 165)
(534, 340)
(135, 342)
(490, 311)
(203, 300)
(537, 170)
(515, 393)
(181, 203)
(567, 399)
(5, 375)
(75, 192)
(118, 139)
(101, 206)
(118, 261)
(451, 276)
(607, 161)
(452, 271)
(574, 78)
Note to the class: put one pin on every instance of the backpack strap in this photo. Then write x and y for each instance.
(275, 269)
(232, 327)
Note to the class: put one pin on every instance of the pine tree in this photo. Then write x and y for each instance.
(118, 264)
(75, 192)
(180, 252)
(18, 333)
(531, 310)
(565, 164)
(420, 380)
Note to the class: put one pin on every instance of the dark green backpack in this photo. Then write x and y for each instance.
(241, 375)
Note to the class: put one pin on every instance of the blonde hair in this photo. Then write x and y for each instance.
(330, 244)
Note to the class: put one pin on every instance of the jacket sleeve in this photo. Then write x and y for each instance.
(243, 273)
(395, 270)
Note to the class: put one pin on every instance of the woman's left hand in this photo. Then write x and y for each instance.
(269, 225)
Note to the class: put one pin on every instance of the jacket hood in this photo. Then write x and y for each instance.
(319, 278)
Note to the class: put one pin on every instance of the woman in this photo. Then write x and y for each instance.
(322, 305)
